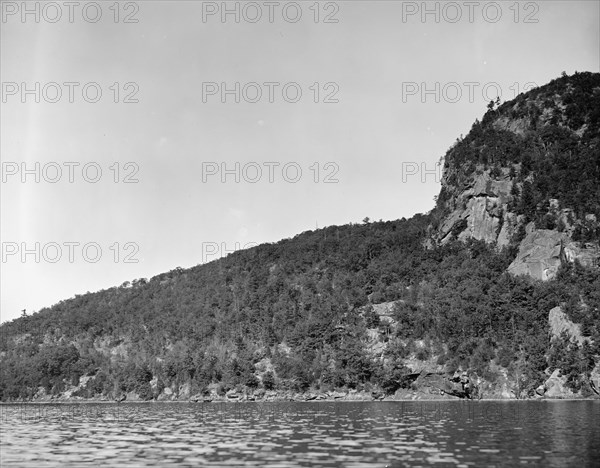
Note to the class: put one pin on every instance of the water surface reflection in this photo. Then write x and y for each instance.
(349, 434)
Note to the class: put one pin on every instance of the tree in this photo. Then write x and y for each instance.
(268, 380)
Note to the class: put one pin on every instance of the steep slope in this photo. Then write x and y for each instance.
(412, 307)
(530, 167)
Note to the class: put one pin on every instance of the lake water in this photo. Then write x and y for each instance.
(348, 434)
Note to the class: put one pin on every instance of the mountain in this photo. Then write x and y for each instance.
(494, 293)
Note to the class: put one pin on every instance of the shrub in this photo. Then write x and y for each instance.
(251, 381)
(268, 380)
(422, 354)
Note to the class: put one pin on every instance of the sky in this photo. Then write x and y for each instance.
(139, 137)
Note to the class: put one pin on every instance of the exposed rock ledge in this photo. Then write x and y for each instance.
(559, 323)
(482, 204)
(542, 251)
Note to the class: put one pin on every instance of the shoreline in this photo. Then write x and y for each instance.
(338, 400)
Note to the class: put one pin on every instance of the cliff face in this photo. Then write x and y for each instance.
(543, 251)
(480, 210)
(527, 176)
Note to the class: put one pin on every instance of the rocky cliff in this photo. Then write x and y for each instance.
(543, 251)
(519, 179)
(527, 178)
(480, 210)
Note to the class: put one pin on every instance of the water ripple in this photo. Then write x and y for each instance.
(348, 434)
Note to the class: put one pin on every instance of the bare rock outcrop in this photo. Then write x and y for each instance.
(539, 254)
(588, 255)
(479, 207)
(556, 386)
(481, 211)
(559, 323)
(543, 250)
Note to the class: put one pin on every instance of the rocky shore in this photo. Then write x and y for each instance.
(433, 386)
(277, 397)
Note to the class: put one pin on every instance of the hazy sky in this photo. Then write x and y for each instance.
(371, 61)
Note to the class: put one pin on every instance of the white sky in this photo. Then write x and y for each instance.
(170, 213)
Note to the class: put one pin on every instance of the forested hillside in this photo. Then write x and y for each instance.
(303, 314)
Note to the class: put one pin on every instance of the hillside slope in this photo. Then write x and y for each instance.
(530, 168)
(392, 308)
